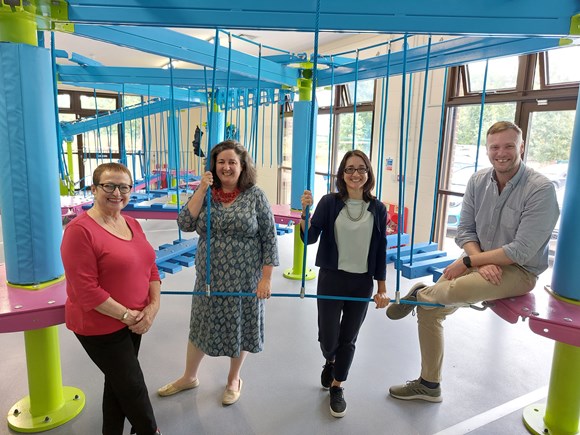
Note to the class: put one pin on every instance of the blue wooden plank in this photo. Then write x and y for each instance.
(424, 268)
(169, 267)
(437, 273)
(393, 239)
(172, 251)
(165, 246)
(420, 257)
(406, 250)
(185, 261)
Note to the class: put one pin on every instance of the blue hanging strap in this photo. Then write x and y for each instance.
(355, 100)
(420, 148)
(310, 143)
(401, 172)
(328, 171)
(439, 152)
(483, 91)
(208, 163)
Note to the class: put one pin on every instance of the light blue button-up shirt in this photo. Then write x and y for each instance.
(520, 219)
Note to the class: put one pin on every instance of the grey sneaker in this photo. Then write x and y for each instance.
(398, 311)
(415, 390)
(337, 402)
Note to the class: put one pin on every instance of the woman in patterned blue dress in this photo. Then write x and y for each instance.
(243, 253)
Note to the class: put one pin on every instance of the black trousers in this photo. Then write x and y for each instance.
(125, 394)
(339, 321)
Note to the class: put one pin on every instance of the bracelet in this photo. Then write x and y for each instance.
(303, 217)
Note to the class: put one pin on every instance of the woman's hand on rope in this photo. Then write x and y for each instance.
(264, 289)
(206, 180)
(306, 200)
(381, 300)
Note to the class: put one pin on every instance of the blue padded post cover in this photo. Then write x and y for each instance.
(566, 274)
(300, 143)
(29, 193)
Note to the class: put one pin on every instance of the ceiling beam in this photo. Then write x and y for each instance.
(175, 45)
(156, 76)
(474, 17)
(453, 52)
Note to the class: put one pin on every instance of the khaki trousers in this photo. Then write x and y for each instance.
(469, 288)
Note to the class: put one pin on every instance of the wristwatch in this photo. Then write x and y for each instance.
(467, 261)
(125, 315)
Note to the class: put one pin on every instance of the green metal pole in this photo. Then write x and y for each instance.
(17, 26)
(561, 413)
(563, 405)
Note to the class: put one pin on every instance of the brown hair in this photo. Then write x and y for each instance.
(341, 184)
(110, 167)
(500, 126)
(247, 175)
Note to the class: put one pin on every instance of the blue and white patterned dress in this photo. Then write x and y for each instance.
(243, 239)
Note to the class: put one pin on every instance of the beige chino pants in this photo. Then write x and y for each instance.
(469, 288)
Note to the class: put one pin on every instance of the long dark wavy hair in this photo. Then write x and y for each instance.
(248, 173)
(368, 186)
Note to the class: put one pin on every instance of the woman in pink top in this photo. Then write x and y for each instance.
(113, 290)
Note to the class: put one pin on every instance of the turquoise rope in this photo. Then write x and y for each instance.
(355, 99)
(228, 85)
(330, 124)
(420, 148)
(208, 162)
(483, 91)
(401, 153)
(439, 152)
(310, 142)
(295, 295)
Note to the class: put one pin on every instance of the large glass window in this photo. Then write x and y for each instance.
(105, 144)
(538, 92)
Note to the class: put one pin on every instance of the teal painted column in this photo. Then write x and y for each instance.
(300, 141)
(561, 413)
(31, 220)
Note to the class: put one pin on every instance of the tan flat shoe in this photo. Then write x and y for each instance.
(230, 396)
(171, 389)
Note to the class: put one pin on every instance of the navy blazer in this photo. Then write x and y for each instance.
(323, 221)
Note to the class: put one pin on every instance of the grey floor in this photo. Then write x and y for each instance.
(492, 371)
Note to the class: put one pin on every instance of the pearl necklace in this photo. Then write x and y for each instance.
(359, 217)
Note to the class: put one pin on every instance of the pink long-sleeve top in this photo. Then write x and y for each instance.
(99, 265)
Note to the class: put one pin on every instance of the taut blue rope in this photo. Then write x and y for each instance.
(420, 148)
(310, 143)
(295, 295)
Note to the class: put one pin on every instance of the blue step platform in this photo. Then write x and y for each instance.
(171, 258)
(283, 229)
(418, 248)
(426, 267)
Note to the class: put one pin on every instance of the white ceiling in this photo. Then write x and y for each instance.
(112, 55)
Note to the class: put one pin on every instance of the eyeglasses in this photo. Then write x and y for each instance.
(351, 170)
(110, 187)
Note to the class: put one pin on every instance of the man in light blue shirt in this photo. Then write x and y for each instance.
(507, 217)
